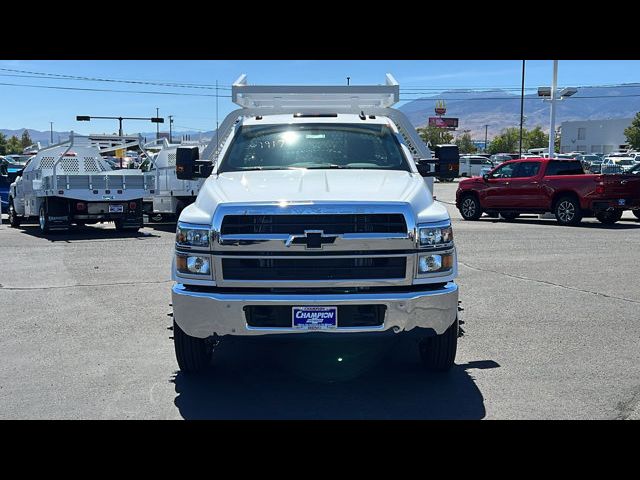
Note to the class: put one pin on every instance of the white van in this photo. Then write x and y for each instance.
(471, 165)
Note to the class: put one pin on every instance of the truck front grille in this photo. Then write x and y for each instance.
(297, 224)
(321, 268)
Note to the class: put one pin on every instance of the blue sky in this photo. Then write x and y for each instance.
(35, 107)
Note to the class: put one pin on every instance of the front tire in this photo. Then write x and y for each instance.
(567, 211)
(14, 220)
(470, 208)
(43, 221)
(438, 353)
(193, 354)
(609, 218)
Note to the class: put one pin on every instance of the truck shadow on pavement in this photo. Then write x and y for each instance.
(624, 224)
(301, 381)
(86, 232)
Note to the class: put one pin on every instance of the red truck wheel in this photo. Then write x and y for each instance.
(567, 211)
(610, 217)
(470, 208)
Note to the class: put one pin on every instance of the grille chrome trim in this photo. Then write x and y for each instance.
(222, 282)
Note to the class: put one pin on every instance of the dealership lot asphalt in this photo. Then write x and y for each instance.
(552, 331)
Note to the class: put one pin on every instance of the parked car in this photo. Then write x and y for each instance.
(498, 158)
(548, 185)
(471, 165)
(587, 160)
(626, 163)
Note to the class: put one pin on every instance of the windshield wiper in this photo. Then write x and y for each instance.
(326, 165)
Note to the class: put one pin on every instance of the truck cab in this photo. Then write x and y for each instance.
(316, 217)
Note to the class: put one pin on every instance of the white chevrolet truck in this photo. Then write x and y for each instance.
(317, 217)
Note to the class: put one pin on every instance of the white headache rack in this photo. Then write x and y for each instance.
(291, 99)
(354, 97)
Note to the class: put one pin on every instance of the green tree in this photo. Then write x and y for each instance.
(465, 144)
(3, 144)
(632, 132)
(26, 141)
(508, 141)
(535, 138)
(435, 135)
(14, 145)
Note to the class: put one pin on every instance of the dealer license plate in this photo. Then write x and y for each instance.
(315, 318)
(116, 209)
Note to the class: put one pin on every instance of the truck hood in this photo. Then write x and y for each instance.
(333, 186)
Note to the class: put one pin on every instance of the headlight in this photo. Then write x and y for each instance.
(432, 236)
(192, 236)
(193, 264)
(435, 263)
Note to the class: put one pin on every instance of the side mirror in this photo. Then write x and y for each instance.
(424, 167)
(485, 177)
(189, 166)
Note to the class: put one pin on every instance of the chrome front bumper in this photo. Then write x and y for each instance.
(201, 314)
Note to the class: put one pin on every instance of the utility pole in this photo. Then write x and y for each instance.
(486, 129)
(157, 125)
(552, 129)
(348, 80)
(521, 109)
(170, 129)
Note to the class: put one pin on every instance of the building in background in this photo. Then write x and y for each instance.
(594, 136)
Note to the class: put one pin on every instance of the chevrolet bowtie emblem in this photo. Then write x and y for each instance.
(311, 239)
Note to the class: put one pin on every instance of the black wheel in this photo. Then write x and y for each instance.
(470, 208)
(610, 217)
(193, 354)
(43, 221)
(636, 213)
(121, 228)
(509, 215)
(14, 219)
(567, 211)
(438, 353)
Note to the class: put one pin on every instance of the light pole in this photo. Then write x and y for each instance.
(551, 92)
(348, 80)
(51, 129)
(486, 129)
(552, 128)
(157, 124)
(521, 109)
(170, 129)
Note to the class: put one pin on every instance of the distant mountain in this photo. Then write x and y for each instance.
(36, 135)
(477, 109)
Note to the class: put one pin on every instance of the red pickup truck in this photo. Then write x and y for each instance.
(540, 185)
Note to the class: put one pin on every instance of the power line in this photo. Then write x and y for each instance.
(57, 76)
(114, 90)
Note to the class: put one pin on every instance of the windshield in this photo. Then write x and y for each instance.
(625, 162)
(307, 145)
